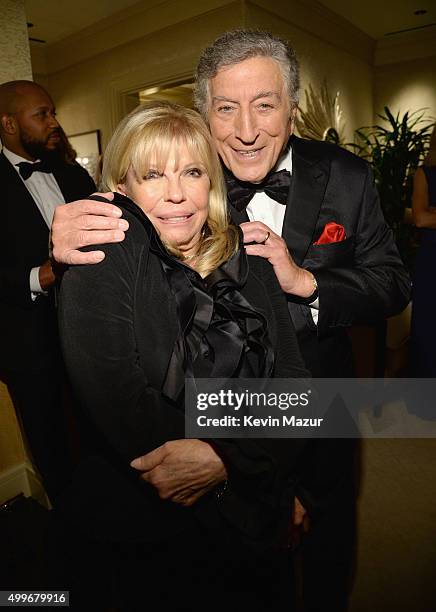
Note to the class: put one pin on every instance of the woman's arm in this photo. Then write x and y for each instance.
(96, 319)
(423, 215)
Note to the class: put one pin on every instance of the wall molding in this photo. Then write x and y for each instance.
(317, 20)
(146, 18)
(130, 24)
(21, 478)
(406, 47)
(121, 88)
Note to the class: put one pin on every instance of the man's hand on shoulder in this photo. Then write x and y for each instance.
(82, 223)
(260, 240)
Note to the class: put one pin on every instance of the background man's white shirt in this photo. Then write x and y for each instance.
(46, 193)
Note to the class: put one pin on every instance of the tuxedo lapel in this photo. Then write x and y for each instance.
(74, 181)
(310, 175)
(21, 204)
(69, 188)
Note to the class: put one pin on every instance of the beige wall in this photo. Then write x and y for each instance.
(14, 43)
(88, 93)
(406, 86)
(89, 72)
(320, 59)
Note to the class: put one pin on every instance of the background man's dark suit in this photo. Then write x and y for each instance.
(29, 354)
(360, 279)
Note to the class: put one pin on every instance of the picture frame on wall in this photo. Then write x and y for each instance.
(88, 151)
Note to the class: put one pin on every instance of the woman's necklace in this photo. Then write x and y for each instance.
(188, 257)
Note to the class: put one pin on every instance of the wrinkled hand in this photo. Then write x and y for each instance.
(83, 223)
(182, 470)
(292, 279)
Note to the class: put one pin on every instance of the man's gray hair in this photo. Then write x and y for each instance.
(234, 47)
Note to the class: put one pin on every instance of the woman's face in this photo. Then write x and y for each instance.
(175, 198)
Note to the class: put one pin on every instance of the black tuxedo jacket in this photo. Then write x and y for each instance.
(28, 328)
(360, 279)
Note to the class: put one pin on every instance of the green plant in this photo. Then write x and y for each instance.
(395, 151)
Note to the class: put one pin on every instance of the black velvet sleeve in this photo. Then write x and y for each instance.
(97, 328)
(97, 325)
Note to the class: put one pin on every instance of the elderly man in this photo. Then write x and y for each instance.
(34, 178)
(311, 209)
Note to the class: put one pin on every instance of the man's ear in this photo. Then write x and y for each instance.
(9, 124)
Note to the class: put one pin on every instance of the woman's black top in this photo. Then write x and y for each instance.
(132, 327)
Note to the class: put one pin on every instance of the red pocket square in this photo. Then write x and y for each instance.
(332, 232)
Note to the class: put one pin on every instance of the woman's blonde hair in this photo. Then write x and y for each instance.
(145, 137)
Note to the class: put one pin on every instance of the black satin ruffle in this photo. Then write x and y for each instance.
(221, 335)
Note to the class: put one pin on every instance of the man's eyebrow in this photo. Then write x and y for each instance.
(223, 99)
(261, 94)
(266, 94)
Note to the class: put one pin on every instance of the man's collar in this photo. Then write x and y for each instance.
(285, 160)
(15, 159)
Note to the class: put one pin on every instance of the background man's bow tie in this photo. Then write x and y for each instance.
(276, 186)
(27, 168)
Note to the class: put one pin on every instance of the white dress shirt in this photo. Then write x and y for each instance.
(265, 209)
(46, 193)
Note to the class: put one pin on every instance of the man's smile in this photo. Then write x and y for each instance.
(247, 153)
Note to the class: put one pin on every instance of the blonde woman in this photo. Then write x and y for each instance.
(178, 297)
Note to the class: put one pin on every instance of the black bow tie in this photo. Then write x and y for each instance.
(276, 186)
(27, 168)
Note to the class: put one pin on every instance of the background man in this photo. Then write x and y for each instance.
(34, 178)
(313, 210)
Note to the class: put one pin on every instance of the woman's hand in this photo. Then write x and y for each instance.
(182, 470)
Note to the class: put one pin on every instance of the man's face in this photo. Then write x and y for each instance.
(250, 117)
(38, 128)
